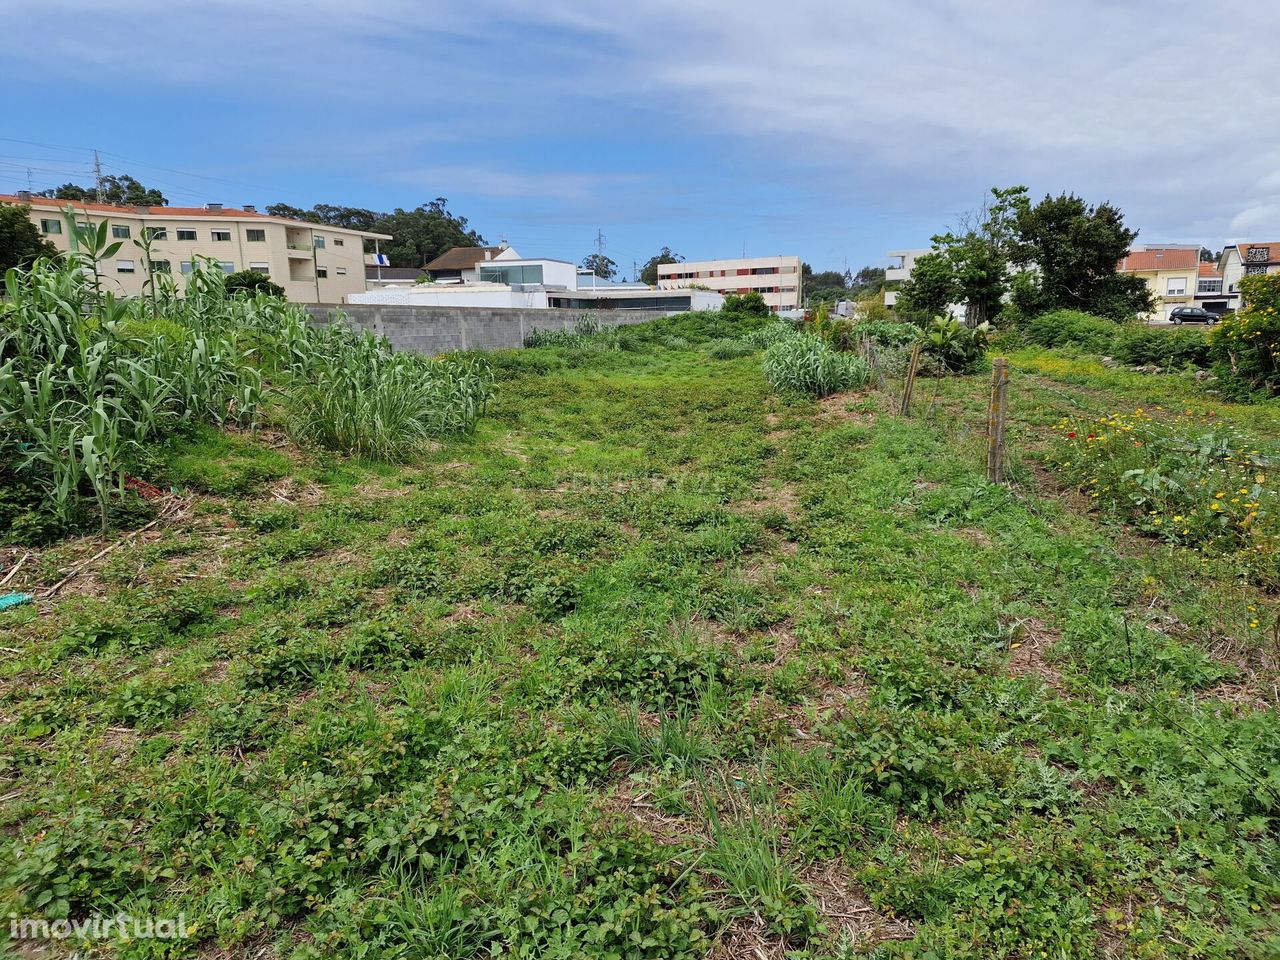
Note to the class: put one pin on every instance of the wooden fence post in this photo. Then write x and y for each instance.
(998, 416)
(910, 384)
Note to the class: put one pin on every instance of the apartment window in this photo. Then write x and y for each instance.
(227, 266)
(160, 266)
(51, 226)
(339, 242)
(186, 235)
(124, 266)
(342, 271)
(120, 231)
(1177, 287)
(222, 235)
(187, 266)
(1209, 286)
(322, 272)
(255, 235)
(319, 242)
(263, 268)
(155, 233)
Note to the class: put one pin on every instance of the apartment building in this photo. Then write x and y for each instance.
(777, 279)
(904, 261)
(1171, 274)
(312, 262)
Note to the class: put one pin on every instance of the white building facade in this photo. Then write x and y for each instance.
(778, 279)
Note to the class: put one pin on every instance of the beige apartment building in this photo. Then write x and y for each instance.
(777, 279)
(314, 263)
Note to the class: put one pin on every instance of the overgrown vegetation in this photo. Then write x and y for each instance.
(661, 663)
(89, 385)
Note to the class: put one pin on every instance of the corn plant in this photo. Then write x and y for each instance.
(802, 363)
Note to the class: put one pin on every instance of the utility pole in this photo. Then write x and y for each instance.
(97, 176)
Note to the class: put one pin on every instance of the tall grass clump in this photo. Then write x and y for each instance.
(89, 381)
(802, 363)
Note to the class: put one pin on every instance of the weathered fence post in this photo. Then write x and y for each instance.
(997, 417)
(910, 384)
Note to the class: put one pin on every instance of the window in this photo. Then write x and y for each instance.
(186, 266)
(51, 226)
(160, 266)
(1177, 287)
(318, 241)
(322, 272)
(1254, 269)
(186, 235)
(124, 266)
(155, 233)
(342, 271)
(227, 266)
(120, 231)
(222, 235)
(1209, 286)
(339, 242)
(255, 235)
(519, 273)
(263, 268)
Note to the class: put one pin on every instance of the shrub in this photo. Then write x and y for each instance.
(805, 364)
(1173, 350)
(1245, 347)
(250, 282)
(1072, 328)
(956, 347)
(748, 304)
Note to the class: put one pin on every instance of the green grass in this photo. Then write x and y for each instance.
(631, 669)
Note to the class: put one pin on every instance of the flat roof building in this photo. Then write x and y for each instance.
(314, 263)
(778, 279)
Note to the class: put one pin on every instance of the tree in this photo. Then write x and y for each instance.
(866, 281)
(979, 251)
(930, 289)
(649, 272)
(746, 304)
(420, 235)
(20, 240)
(1208, 256)
(122, 191)
(249, 282)
(1071, 250)
(601, 266)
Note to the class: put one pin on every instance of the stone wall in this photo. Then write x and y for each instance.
(432, 330)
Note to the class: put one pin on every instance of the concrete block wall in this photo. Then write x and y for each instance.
(433, 330)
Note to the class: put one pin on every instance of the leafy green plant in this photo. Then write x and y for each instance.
(1245, 347)
(953, 346)
(805, 364)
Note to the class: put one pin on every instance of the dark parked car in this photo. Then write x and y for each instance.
(1192, 315)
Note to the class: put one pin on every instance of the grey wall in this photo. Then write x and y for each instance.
(432, 330)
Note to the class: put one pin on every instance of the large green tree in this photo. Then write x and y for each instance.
(420, 235)
(20, 241)
(600, 265)
(649, 272)
(1070, 251)
(930, 289)
(123, 191)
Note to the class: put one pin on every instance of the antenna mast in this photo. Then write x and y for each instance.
(97, 176)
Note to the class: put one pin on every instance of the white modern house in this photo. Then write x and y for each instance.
(504, 279)
(1245, 259)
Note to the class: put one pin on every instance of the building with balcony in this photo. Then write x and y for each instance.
(899, 269)
(1245, 259)
(1171, 274)
(778, 279)
(312, 262)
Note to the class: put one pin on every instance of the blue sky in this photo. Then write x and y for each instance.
(835, 131)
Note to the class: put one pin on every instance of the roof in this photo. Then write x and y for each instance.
(1209, 270)
(1273, 254)
(1144, 260)
(462, 258)
(373, 272)
(178, 213)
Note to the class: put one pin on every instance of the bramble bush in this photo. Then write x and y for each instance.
(1245, 347)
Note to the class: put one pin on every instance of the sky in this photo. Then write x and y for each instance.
(831, 130)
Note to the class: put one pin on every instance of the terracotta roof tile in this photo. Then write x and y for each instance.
(108, 208)
(1159, 260)
(1209, 270)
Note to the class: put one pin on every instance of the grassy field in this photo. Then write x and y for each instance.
(656, 664)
